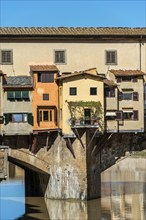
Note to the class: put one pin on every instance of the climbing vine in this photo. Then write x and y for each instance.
(76, 108)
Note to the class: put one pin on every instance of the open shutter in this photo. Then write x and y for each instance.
(30, 119)
(135, 115)
(135, 96)
(8, 118)
(119, 79)
(119, 115)
(134, 79)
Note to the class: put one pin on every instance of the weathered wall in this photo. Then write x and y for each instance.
(119, 145)
(72, 172)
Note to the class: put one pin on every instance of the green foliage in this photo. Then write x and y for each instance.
(76, 108)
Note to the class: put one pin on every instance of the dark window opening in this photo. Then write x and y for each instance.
(93, 91)
(46, 77)
(73, 91)
(110, 92)
(127, 115)
(45, 116)
(45, 96)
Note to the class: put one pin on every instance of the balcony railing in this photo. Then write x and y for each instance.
(84, 123)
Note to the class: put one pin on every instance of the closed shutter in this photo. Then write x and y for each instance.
(120, 96)
(30, 119)
(135, 115)
(119, 115)
(135, 96)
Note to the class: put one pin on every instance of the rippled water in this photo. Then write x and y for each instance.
(123, 197)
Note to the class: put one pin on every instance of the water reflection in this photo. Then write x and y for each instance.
(12, 194)
(123, 197)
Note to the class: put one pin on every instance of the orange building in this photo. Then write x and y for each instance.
(45, 98)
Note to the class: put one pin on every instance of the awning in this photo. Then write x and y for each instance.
(127, 110)
(110, 114)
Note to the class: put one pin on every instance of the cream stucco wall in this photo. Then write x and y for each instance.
(83, 84)
(79, 56)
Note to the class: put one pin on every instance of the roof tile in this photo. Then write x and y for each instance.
(127, 72)
(35, 68)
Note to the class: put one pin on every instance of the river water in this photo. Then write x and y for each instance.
(123, 197)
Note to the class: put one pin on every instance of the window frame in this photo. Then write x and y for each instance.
(71, 88)
(92, 89)
(64, 58)
(11, 57)
(106, 59)
(45, 96)
(45, 77)
(20, 121)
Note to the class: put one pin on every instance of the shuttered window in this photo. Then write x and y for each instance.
(135, 115)
(60, 57)
(119, 115)
(135, 96)
(111, 57)
(10, 95)
(46, 77)
(6, 57)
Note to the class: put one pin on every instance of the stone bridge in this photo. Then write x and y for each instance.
(69, 168)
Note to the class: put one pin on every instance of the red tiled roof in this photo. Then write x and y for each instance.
(109, 82)
(43, 68)
(48, 31)
(127, 72)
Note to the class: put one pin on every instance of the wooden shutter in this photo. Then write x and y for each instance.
(119, 115)
(30, 119)
(6, 116)
(135, 115)
(120, 96)
(135, 96)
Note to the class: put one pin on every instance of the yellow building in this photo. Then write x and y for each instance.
(81, 101)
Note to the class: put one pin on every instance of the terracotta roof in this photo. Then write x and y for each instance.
(43, 68)
(80, 74)
(109, 82)
(71, 31)
(18, 82)
(127, 72)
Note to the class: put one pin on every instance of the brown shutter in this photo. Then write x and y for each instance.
(119, 115)
(120, 96)
(135, 115)
(135, 96)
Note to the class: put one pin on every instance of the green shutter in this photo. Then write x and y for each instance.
(6, 115)
(17, 94)
(25, 94)
(10, 95)
(30, 119)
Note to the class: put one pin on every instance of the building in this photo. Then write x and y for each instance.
(125, 103)
(81, 101)
(17, 105)
(45, 98)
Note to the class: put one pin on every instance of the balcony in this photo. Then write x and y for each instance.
(84, 123)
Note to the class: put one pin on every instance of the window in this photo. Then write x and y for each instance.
(6, 57)
(46, 77)
(73, 91)
(46, 115)
(126, 79)
(110, 92)
(17, 117)
(93, 91)
(128, 115)
(18, 95)
(127, 96)
(111, 57)
(119, 115)
(60, 57)
(45, 96)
